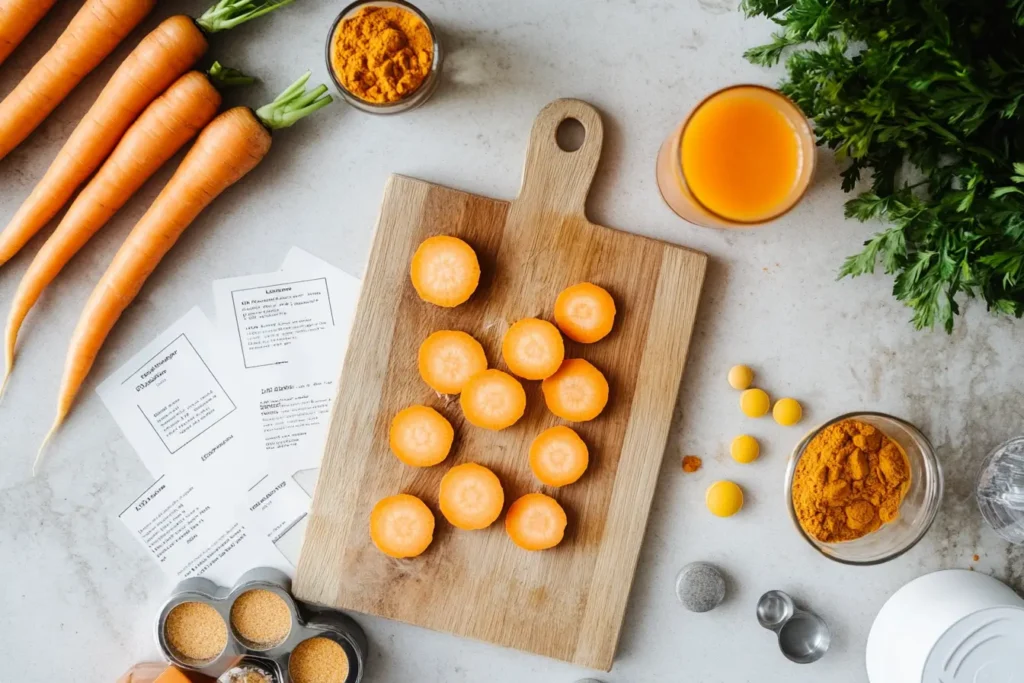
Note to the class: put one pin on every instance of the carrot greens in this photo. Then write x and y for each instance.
(925, 97)
(227, 14)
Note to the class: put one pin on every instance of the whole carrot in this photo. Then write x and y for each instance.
(164, 127)
(228, 148)
(17, 18)
(92, 35)
(166, 53)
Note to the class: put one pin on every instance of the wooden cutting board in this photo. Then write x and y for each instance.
(568, 602)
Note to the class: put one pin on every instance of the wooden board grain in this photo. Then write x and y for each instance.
(568, 602)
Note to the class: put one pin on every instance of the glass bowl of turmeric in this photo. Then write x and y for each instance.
(863, 488)
(384, 57)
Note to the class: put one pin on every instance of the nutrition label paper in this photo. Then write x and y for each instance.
(179, 404)
(287, 333)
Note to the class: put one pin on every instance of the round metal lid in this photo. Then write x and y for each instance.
(984, 647)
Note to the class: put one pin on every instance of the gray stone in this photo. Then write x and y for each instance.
(700, 587)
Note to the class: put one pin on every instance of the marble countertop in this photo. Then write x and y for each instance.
(78, 594)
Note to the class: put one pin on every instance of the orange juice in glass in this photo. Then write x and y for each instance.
(743, 157)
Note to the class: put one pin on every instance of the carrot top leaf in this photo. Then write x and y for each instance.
(226, 77)
(227, 14)
(293, 104)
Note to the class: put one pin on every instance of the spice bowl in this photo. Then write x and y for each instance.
(417, 97)
(214, 630)
(917, 511)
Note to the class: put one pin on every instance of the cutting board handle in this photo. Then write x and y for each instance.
(552, 176)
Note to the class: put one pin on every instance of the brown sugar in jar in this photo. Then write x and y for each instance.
(195, 632)
(318, 660)
(261, 618)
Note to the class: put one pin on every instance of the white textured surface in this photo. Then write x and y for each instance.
(77, 593)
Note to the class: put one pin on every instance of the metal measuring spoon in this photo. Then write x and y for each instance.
(804, 637)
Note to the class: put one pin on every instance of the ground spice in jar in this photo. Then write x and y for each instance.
(382, 54)
(195, 631)
(850, 480)
(261, 617)
(318, 660)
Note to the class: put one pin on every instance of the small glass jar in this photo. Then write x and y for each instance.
(418, 96)
(671, 174)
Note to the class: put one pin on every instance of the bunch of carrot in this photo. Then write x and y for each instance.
(151, 107)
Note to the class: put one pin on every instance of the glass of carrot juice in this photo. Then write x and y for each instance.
(743, 157)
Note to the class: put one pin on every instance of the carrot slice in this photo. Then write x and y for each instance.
(535, 522)
(448, 359)
(585, 312)
(493, 400)
(401, 526)
(558, 456)
(421, 436)
(471, 496)
(577, 392)
(533, 349)
(445, 271)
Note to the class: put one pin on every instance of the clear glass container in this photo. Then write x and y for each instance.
(418, 96)
(919, 507)
(678, 194)
(1000, 490)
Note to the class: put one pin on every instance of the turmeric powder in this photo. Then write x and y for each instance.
(382, 54)
(850, 480)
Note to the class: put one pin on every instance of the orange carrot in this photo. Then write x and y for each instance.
(533, 349)
(585, 312)
(448, 359)
(558, 456)
(445, 271)
(493, 399)
(165, 54)
(401, 526)
(535, 522)
(163, 128)
(227, 149)
(578, 392)
(471, 496)
(17, 18)
(420, 436)
(92, 35)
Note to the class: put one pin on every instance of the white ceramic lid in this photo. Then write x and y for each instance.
(984, 647)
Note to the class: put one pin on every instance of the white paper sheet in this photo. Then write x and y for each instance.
(286, 333)
(179, 405)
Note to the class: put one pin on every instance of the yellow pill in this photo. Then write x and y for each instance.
(724, 498)
(755, 402)
(740, 377)
(745, 449)
(787, 412)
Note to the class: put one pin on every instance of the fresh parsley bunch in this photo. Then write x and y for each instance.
(927, 97)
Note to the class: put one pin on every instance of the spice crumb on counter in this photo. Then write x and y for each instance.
(382, 54)
(691, 463)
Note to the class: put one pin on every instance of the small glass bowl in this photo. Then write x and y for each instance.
(916, 513)
(420, 95)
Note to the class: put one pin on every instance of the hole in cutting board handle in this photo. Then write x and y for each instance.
(570, 134)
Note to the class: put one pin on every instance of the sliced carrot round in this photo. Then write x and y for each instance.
(448, 359)
(420, 436)
(401, 526)
(585, 312)
(445, 271)
(533, 348)
(558, 456)
(535, 522)
(493, 399)
(577, 392)
(471, 496)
